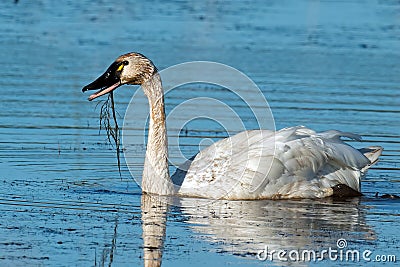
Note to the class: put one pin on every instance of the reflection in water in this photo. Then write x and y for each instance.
(154, 216)
(242, 228)
(247, 226)
(108, 253)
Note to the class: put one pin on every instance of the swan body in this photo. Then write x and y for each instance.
(294, 162)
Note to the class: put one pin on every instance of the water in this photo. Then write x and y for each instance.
(324, 64)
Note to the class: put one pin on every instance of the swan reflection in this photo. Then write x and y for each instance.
(154, 216)
(247, 226)
(242, 228)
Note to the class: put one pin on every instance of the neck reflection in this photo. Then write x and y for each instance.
(154, 216)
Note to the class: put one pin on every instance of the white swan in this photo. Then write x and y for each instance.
(294, 162)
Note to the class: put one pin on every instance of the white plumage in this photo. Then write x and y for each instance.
(294, 162)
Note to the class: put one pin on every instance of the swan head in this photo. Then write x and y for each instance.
(131, 68)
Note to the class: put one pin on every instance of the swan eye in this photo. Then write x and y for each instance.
(124, 63)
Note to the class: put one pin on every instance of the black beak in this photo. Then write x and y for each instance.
(107, 82)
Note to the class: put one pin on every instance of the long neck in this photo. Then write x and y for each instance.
(156, 177)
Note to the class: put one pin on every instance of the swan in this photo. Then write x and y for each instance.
(294, 162)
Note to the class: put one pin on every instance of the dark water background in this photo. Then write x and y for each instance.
(323, 64)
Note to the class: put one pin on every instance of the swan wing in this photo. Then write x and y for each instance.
(294, 162)
(226, 168)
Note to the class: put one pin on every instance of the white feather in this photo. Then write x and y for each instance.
(294, 162)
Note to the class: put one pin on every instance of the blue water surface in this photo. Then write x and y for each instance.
(323, 64)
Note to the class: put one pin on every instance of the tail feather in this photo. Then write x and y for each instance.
(372, 153)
